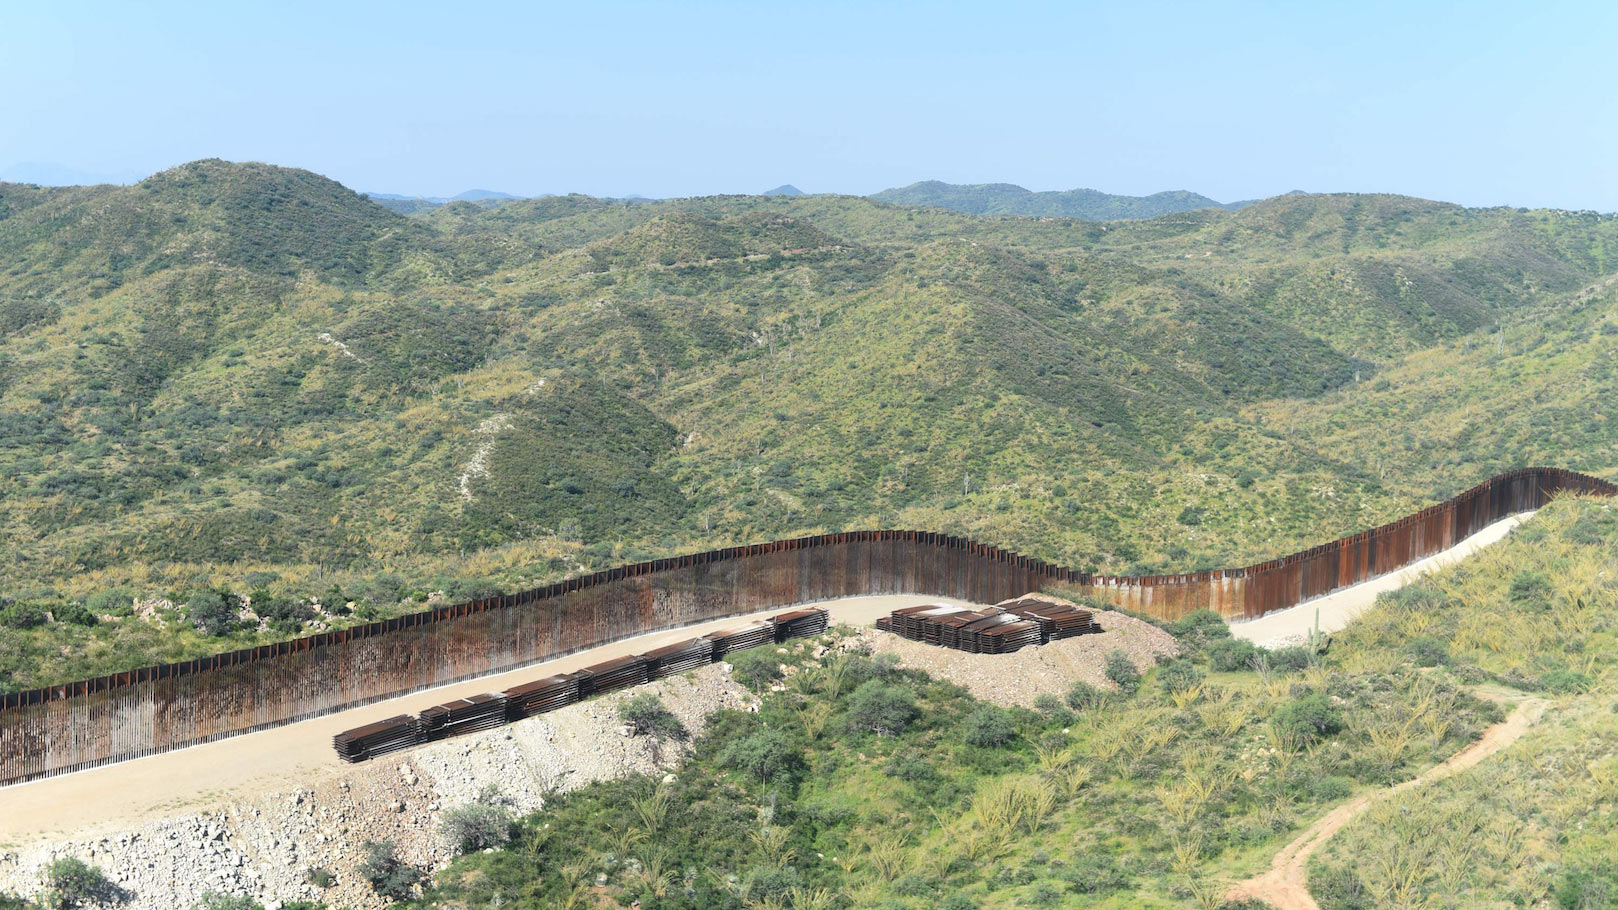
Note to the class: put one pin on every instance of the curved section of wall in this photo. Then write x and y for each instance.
(126, 715)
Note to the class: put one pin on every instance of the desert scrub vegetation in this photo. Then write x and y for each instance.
(862, 783)
(1535, 824)
(618, 381)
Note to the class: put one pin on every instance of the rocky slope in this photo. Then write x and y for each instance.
(266, 847)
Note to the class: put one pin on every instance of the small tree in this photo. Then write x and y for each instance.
(766, 754)
(1231, 654)
(882, 708)
(480, 824)
(988, 726)
(1309, 718)
(71, 882)
(1121, 670)
(646, 716)
(1197, 629)
(212, 612)
(756, 668)
(390, 877)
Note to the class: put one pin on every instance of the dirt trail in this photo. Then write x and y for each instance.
(1286, 885)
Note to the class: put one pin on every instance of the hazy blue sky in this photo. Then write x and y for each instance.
(1480, 103)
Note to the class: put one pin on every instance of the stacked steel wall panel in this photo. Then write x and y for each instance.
(153, 709)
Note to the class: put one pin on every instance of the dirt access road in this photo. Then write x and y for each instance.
(186, 781)
(1336, 610)
(1286, 885)
(122, 795)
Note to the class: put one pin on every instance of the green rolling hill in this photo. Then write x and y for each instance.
(252, 378)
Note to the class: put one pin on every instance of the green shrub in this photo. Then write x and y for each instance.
(75, 614)
(212, 612)
(111, 602)
(1565, 682)
(988, 726)
(9, 901)
(1097, 872)
(19, 615)
(1084, 696)
(1530, 589)
(285, 614)
(1331, 789)
(1290, 660)
(1338, 888)
(213, 900)
(320, 876)
(1231, 654)
(911, 767)
(1309, 718)
(1179, 676)
(767, 755)
(485, 822)
(1054, 711)
(646, 716)
(1199, 628)
(1044, 894)
(389, 876)
(958, 901)
(1588, 887)
(857, 669)
(756, 668)
(71, 882)
(882, 708)
(1121, 670)
(1427, 651)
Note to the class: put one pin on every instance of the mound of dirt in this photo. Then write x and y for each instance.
(1022, 676)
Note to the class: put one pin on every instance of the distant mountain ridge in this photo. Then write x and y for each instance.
(1010, 199)
(785, 189)
(407, 205)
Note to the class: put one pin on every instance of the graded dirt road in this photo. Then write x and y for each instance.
(189, 780)
(1337, 609)
(118, 796)
(1286, 885)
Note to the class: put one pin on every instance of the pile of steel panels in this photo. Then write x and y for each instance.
(726, 641)
(481, 712)
(678, 657)
(379, 738)
(991, 630)
(541, 695)
(612, 675)
(1056, 620)
(912, 622)
(464, 715)
(800, 624)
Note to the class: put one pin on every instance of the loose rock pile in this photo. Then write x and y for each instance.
(265, 846)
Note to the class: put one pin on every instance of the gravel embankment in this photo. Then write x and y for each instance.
(1021, 676)
(265, 847)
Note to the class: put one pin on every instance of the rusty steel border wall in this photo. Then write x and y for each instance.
(64, 728)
